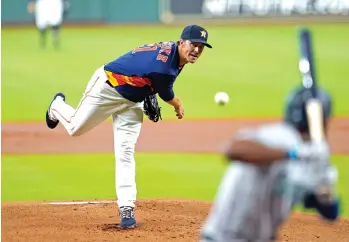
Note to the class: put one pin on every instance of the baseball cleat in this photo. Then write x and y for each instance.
(127, 216)
(52, 123)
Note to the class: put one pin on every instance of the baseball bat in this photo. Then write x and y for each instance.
(307, 68)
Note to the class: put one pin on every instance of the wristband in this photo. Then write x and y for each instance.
(292, 154)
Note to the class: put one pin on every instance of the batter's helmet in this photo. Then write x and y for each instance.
(295, 107)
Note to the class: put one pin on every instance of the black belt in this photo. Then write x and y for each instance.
(108, 82)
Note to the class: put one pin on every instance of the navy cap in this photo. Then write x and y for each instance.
(196, 34)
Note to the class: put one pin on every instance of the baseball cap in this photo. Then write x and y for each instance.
(196, 34)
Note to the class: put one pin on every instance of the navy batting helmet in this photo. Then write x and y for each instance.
(295, 113)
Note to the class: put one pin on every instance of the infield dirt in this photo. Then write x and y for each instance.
(159, 219)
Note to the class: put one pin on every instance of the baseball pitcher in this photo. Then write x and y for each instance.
(48, 14)
(276, 168)
(125, 88)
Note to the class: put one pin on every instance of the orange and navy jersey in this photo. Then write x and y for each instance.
(145, 70)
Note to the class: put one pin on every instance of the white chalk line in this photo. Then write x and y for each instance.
(80, 202)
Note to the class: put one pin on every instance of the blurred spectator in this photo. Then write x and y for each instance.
(48, 15)
(270, 7)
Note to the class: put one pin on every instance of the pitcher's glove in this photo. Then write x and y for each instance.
(151, 108)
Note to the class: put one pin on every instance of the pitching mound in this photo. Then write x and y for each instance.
(158, 220)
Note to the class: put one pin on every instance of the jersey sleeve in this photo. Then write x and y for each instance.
(163, 85)
(247, 134)
(275, 135)
(257, 134)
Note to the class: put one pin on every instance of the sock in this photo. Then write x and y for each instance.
(55, 35)
(43, 37)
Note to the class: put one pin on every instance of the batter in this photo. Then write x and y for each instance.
(276, 168)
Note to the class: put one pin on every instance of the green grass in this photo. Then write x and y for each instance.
(68, 177)
(255, 65)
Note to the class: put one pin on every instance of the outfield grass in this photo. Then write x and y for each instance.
(71, 177)
(255, 65)
(57, 177)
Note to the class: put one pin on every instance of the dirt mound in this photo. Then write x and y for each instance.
(158, 220)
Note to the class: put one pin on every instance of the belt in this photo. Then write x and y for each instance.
(108, 82)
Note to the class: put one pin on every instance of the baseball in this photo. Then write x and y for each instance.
(221, 98)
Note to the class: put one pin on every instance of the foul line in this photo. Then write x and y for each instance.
(80, 202)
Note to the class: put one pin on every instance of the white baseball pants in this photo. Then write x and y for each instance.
(98, 103)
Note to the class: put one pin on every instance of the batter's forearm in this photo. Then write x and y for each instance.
(253, 152)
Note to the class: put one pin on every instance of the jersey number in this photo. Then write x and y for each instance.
(161, 57)
(149, 47)
(152, 47)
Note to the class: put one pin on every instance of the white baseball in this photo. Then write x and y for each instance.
(221, 98)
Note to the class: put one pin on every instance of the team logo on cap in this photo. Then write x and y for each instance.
(203, 33)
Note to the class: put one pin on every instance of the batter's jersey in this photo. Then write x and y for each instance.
(252, 201)
(146, 70)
